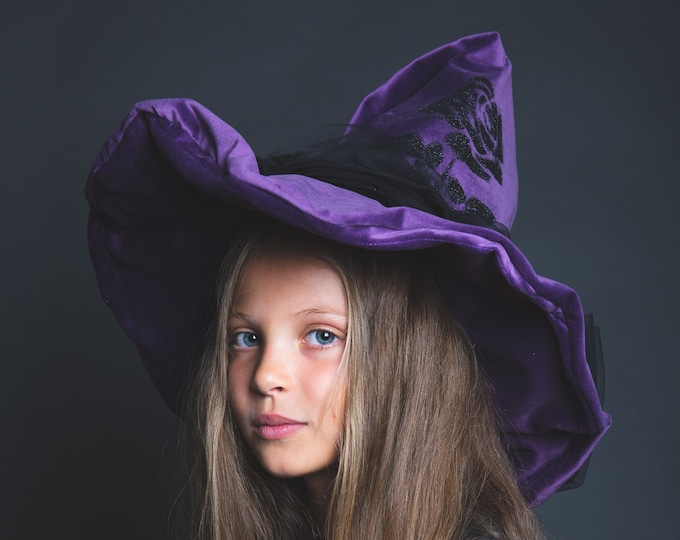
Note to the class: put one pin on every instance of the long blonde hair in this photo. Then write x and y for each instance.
(420, 457)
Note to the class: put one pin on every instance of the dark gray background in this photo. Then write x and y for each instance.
(88, 449)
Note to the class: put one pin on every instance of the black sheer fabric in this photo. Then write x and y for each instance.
(369, 163)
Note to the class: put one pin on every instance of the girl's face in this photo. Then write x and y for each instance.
(287, 334)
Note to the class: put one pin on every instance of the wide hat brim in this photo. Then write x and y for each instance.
(174, 184)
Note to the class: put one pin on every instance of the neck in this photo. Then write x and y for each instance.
(319, 485)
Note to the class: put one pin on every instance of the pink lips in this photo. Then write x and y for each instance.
(273, 426)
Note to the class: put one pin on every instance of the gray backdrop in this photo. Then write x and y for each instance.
(88, 449)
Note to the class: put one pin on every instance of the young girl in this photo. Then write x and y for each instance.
(382, 361)
(344, 369)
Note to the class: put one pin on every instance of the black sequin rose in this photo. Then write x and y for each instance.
(477, 139)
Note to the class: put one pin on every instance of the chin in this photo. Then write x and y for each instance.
(297, 469)
(285, 471)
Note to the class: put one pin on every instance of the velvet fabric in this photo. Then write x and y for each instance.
(174, 183)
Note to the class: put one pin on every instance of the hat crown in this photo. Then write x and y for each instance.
(451, 111)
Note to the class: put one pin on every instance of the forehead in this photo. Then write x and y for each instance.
(297, 277)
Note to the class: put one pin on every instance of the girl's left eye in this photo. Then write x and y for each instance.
(321, 337)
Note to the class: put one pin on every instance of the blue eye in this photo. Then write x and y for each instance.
(321, 337)
(245, 340)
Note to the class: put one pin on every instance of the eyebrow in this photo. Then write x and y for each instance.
(305, 312)
(321, 311)
(242, 317)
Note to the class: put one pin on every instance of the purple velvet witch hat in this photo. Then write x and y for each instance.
(174, 183)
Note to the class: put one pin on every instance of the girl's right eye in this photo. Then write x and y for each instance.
(245, 340)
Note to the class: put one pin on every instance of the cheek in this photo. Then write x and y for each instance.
(331, 393)
(339, 404)
(237, 390)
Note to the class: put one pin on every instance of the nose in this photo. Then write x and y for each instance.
(272, 374)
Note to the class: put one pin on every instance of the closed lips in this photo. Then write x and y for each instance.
(277, 427)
